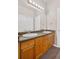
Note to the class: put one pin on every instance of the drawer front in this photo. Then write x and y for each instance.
(27, 44)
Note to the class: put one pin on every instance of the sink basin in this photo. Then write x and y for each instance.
(30, 35)
(46, 32)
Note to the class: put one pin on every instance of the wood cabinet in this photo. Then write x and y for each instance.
(45, 44)
(27, 50)
(18, 50)
(42, 44)
(51, 39)
(36, 47)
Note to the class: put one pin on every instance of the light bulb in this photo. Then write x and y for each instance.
(34, 3)
(30, 1)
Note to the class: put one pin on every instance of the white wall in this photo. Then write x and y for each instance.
(52, 6)
(25, 23)
(26, 16)
(43, 21)
(58, 27)
(37, 22)
(51, 20)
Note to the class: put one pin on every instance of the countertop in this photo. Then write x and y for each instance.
(39, 33)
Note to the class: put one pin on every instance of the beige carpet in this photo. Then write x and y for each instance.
(52, 53)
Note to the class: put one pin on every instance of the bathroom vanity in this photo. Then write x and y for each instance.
(34, 44)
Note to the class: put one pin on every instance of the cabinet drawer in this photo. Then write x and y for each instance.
(27, 44)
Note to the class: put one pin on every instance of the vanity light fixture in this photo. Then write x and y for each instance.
(35, 5)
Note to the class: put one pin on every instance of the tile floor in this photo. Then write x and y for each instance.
(52, 53)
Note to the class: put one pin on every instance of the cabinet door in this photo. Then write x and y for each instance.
(45, 44)
(51, 40)
(27, 49)
(27, 53)
(38, 47)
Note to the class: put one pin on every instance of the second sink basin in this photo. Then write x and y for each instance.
(46, 32)
(30, 35)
